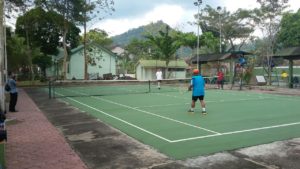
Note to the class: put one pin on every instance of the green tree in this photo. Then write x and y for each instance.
(210, 43)
(141, 49)
(69, 10)
(267, 18)
(289, 34)
(187, 39)
(43, 61)
(126, 64)
(41, 30)
(233, 26)
(85, 11)
(16, 53)
(98, 36)
(166, 44)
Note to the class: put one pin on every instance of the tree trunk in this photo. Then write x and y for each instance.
(65, 31)
(29, 55)
(84, 51)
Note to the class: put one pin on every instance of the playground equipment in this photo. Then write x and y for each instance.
(238, 73)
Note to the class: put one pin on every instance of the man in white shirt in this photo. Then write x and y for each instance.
(158, 77)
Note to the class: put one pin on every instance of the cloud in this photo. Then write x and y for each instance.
(177, 13)
(174, 15)
(251, 4)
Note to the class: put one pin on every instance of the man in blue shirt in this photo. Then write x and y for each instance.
(198, 87)
(13, 92)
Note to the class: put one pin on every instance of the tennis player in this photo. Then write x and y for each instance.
(198, 87)
(158, 77)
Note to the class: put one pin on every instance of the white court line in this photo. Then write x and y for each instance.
(162, 105)
(186, 139)
(207, 101)
(156, 135)
(187, 124)
(235, 132)
(180, 97)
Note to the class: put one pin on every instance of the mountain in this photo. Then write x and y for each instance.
(138, 33)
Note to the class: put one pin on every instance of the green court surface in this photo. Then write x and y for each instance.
(235, 119)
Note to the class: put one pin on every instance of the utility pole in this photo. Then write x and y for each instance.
(2, 56)
(198, 3)
(220, 27)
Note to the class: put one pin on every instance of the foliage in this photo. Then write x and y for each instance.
(235, 26)
(126, 64)
(83, 14)
(16, 53)
(187, 39)
(138, 33)
(43, 61)
(166, 44)
(268, 17)
(88, 10)
(94, 54)
(210, 44)
(141, 49)
(69, 11)
(13, 6)
(41, 29)
(289, 34)
(249, 70)
(98, 36)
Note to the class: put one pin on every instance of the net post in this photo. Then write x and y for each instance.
(53, 89)
(49, 86)
(149, 86)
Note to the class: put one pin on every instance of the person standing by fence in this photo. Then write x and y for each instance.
(220, 79)
(13, 92)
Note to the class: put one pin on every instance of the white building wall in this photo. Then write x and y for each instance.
(178, 75)
(138, 72)
(75, 68)
(104, 64)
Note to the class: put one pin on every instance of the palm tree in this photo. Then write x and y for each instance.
(166, 44)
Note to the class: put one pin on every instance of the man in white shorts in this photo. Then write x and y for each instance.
(158, 77)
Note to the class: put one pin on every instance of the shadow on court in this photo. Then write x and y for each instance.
(101, 146)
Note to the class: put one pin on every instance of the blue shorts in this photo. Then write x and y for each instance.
(195, 98)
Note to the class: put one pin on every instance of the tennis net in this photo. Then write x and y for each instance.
(80, 88)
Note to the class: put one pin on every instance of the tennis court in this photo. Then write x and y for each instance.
(160, 119)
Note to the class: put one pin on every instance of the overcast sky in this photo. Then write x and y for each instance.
(131, 14)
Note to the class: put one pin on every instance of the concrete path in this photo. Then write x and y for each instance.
(34, 143)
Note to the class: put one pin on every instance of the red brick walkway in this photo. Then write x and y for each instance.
(33, 143)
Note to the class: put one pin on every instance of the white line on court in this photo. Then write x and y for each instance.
(140, 111)
(180, 140)
(207, 101)
(158, 136)
(187, 124)
(162, 105)
(234, 132)
(170, 96)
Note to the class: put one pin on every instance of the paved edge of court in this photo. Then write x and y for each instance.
(33, 142)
